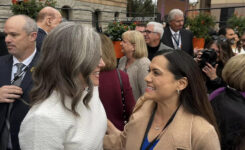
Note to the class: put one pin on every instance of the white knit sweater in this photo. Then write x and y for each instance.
(49, 126)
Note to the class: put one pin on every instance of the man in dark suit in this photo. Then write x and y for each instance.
(48, 18)
(174, 35)
(21, 33)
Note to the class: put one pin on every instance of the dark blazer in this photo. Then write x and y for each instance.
(41, 34)
(110, 95)
(186, 39)
(19, 109)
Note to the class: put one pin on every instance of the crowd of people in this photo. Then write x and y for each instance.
(61, 87)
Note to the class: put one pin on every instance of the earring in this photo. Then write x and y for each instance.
(178, 91)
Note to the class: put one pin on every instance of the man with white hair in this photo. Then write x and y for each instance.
(174, 35)
(154, 32)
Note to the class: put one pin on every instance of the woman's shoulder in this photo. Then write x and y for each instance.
(123, 59)
(201, 125)
(144, 60)
(216, 92)
(197, 124)
(51, 107)
(142, 63)
(122, 62)
(204, 135)
(142, 104)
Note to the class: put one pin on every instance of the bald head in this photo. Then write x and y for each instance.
(48, 18)
(24, 22)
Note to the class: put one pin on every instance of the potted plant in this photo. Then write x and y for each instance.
(30, 7)
(200, 26)
(115, 30)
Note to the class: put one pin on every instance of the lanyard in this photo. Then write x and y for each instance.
(177, 40)
(150, 123)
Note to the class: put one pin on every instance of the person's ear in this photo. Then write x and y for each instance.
(48, 21)
(33, 36)
(182, 83)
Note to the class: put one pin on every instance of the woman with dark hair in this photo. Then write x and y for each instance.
(222, 47)
(229, 104)
(118, 107)
(174, 112)
(66, 112)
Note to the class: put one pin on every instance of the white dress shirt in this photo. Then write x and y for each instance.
(175, 41)
(26, 62)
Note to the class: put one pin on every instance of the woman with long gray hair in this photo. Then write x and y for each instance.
(66, 112)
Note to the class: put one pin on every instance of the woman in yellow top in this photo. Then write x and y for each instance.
(174, 112)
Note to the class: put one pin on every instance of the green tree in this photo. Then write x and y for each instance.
(141, 8)
(32, 7)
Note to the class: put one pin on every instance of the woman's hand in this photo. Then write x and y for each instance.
(198, 56)
(111, 129)
(210, 71)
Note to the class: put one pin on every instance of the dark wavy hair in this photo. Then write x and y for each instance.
(69, 54)
(224, 46)
(194, 97)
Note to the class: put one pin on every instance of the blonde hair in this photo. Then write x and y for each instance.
(137, 39)
(108, 53)
(234, 72)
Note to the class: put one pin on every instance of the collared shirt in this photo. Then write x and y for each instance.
(173, 40)
(26, 62)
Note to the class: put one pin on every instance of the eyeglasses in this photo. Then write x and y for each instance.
(142, 31)
(149, 32)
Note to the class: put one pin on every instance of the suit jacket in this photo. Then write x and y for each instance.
(41, 34)
(186, 131)
(19, 109)
(111, 98)
(186, 39)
